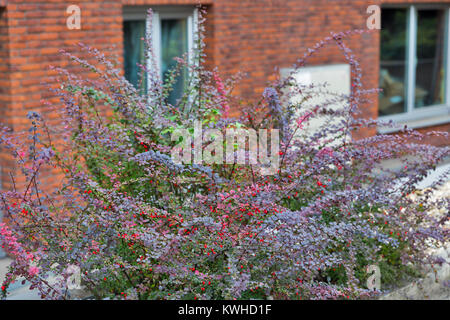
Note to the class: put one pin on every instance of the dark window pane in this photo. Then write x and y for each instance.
(134, 32)
(430, 74)
(393, 43)
(174, 43)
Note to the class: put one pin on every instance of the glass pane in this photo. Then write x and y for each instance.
(430, 72)
(134, 32)
(174, 44)
(393, 43)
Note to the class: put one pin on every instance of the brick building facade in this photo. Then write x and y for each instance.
(254, 36)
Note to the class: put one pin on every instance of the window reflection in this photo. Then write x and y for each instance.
(174, 44)
(393, 43)
(134, 32)
(430, 72)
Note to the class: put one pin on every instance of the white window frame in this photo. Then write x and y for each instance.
(160, 13)
(428, 115)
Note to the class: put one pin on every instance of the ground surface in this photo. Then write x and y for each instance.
(432, 287)
(436, 284)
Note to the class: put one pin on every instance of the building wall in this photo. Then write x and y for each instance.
(4, 88)
(253, 36)
(5, 96)
(37, 31)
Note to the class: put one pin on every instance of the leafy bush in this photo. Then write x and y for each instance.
(140, 226)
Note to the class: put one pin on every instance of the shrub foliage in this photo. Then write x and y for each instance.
(140, 226)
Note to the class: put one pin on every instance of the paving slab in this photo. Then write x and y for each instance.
(17, 290)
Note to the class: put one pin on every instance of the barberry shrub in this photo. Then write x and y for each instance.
(140, 226)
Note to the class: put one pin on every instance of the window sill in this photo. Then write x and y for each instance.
(427, 117)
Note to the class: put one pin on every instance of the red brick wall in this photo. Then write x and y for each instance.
(37, 31)
(5, 112)
(247, 35)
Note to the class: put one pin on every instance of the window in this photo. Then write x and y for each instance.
(413, 58)
(173, 30)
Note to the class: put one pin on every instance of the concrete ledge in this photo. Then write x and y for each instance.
(18, 291)
(4, 263)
